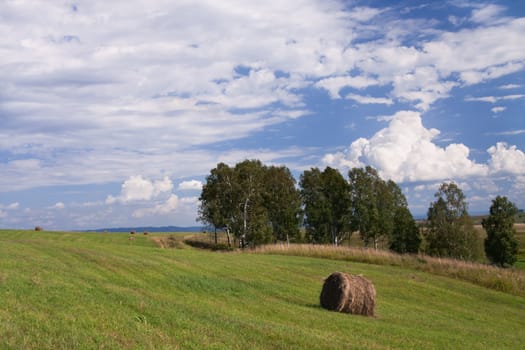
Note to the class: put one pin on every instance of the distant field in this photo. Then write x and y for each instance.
(93, 290)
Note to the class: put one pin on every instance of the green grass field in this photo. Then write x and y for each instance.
(93, 290)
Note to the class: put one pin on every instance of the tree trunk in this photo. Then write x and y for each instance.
(245, 222)
(228, 236)
(215, 235)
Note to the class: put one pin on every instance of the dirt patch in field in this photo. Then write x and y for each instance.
(170, 241)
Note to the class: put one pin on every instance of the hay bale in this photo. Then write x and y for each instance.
(145, 233)
(38, 228)
(132, 233)
(346, 293)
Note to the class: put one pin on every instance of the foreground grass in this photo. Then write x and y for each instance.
(85, 291)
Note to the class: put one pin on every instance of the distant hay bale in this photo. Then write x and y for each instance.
(145, 232)
(38, 228)
(349, 294)
(132, 233)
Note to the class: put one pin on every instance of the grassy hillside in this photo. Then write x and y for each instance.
(92, 290)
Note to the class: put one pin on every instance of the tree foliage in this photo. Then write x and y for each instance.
(375, 206)
(326, 201)
(405, 236)
(256, 203)
(501, 246)
(283, 203)
(450, 232)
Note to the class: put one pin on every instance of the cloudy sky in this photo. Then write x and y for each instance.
(113, 112)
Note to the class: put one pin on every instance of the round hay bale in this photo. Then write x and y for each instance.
(346, 293)
(132, 233)
(145, 233)
(38, 228)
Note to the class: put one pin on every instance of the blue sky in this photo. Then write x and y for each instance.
(112, 113)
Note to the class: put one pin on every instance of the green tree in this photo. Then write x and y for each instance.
(501, 245)
(326, 203)
(252, 223)
(375, 204)
(405, 236)
(283, 203)
(450, 232)
(257, 204)
(217, 200)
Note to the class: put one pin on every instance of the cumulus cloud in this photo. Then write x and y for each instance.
(167, 207)
(137, 188)
(506, 159)
(406, 151)
(195, 185)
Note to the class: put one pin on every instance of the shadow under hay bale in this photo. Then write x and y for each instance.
(349, 294)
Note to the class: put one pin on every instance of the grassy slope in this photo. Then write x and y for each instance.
(71, 290)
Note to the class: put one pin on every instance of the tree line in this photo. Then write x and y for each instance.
(257, 204)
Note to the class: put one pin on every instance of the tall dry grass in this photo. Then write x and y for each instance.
(505, 280)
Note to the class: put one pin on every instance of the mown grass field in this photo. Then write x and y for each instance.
(93, 290)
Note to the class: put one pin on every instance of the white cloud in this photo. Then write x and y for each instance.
(137, 188)
(13, 206)
(511, 132)
(59, 205)
(510, 86)
(477, 76)
(369, 100)
(494, 99)
(405, 151)
(334, 84)
(506, 159)
(167, 207)
(178, 84)
(498, 109)
(487, 14)
(490, 99)
(189, 200)
(190, 185)
(518, 187)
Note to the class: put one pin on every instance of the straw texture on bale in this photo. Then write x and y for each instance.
(346, 293)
